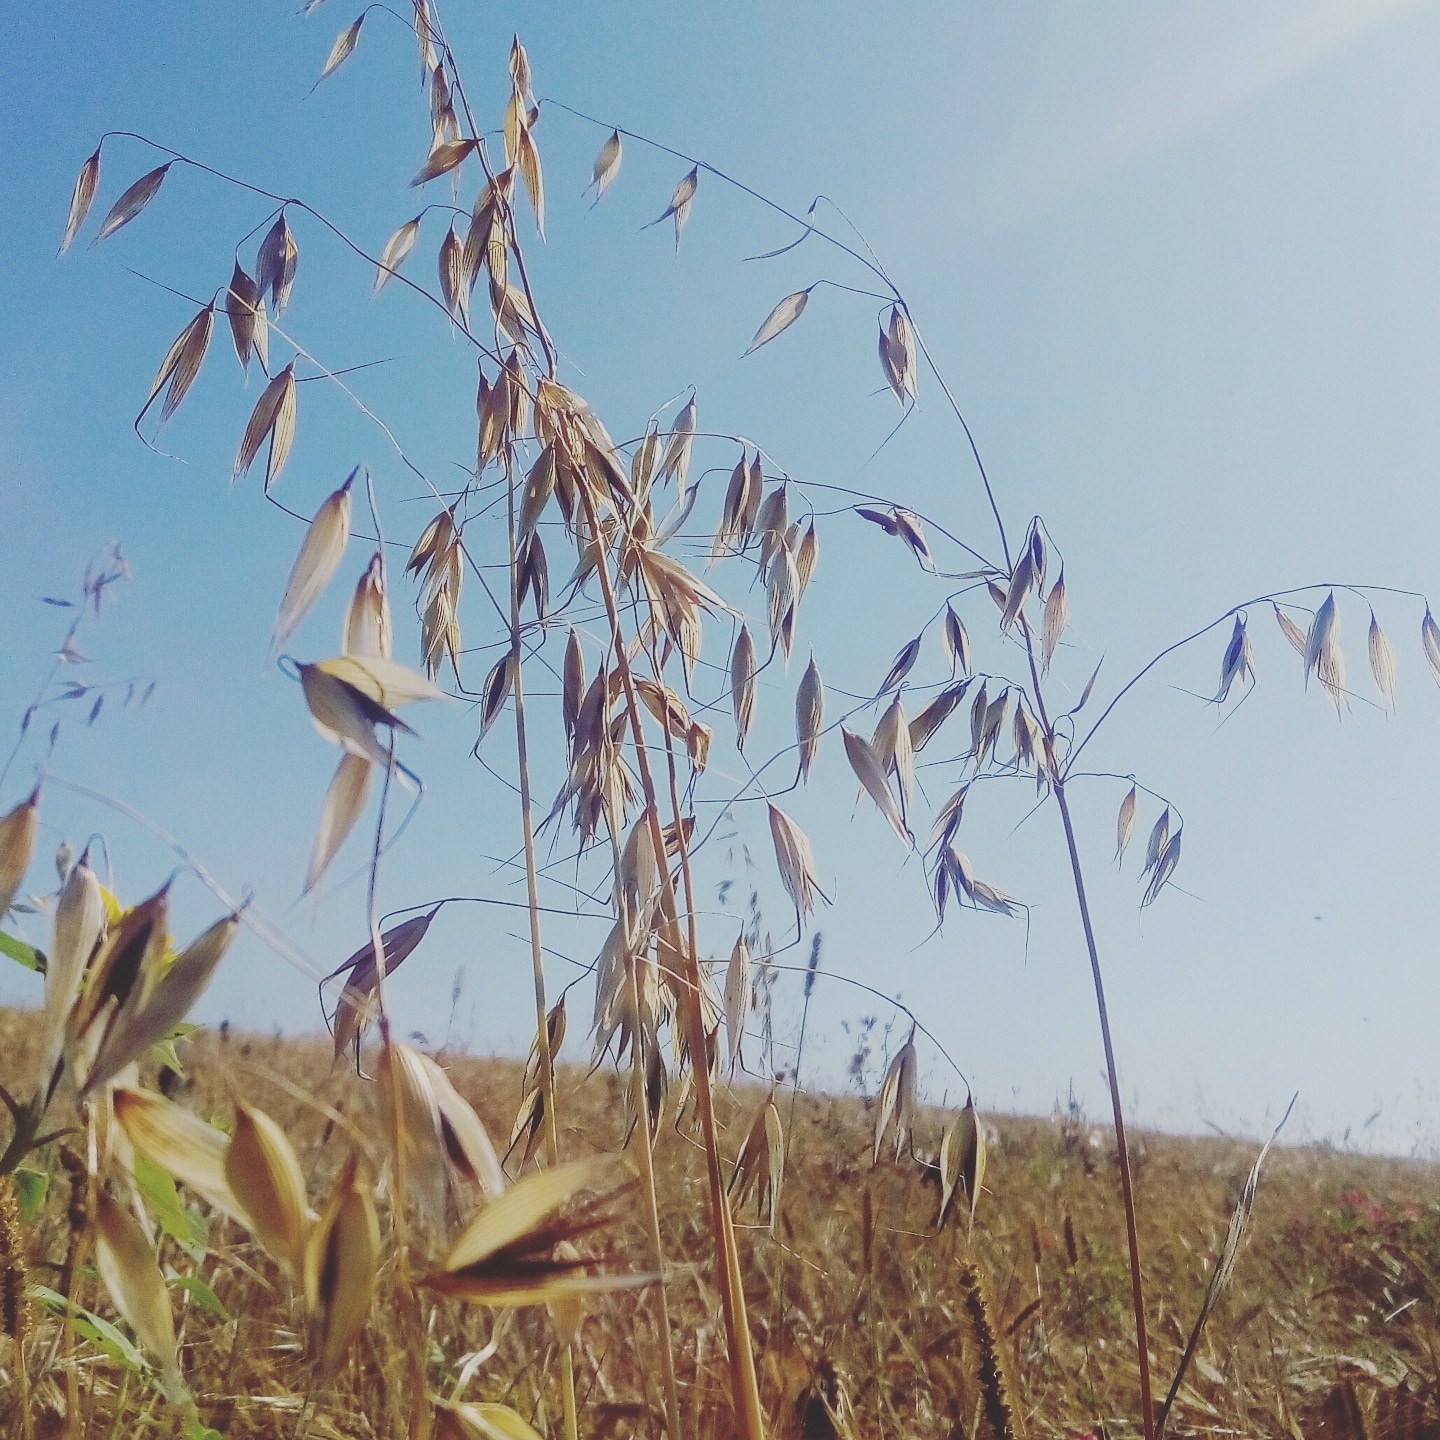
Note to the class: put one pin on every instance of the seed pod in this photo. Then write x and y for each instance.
(319, 558)
(743, 669)
(131, 1274)
(795, 860)
(133, 201)
(1125, 822)
(342, 1260)
(897, 1100)
(265, 1176)
(17, 844)
(809, 716)
(81, 199)
(962, 1163)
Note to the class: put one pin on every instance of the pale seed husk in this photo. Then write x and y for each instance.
(133, 201)
(607, 166)
(1125, 821)
(343, 48)
(342, 1259)
(131, 1274)
(81, 199)
(264, 1173)
(315, 566)
(343, 805)
(17, 843)
(743, 670)
(397, 248)
(780, 319)
(809, 716)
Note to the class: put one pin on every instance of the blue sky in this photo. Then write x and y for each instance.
(1177, 264)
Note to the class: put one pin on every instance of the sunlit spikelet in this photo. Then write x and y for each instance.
(81, 199)
(342, 1260)
(760, 1165)
(962, 1163)
(509, 1253)
(796, 861)
(871, 775)
(1382, 661)
(276, 262)
(780, 319)
(17, 843)
(79, 926)
(132, 1275)
(181, 365)
(397, 249)
(743, 669)
(368, 627)
(264, 1173)
(738, 996)
(180, 1143)
(353, 1010)
(343, 48)
(274, 419)
(249, 324)
(315, 566)
(897, 1100)
(344, 802)
(1125, 822)
(133, 201)
(606, 167)
(809, 716)
(160, 999)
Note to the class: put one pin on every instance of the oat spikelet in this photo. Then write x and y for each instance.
(397, 247)
(780, 319)
(743, 669)
(607, 166)
(809, 716)
(273, 417)
(1125, 822)
(996, 1409)
(133, 201)
(131, 1274)
(343, 806)
(342, 1259)
(81, 199)
(1382, 661)
(343, 48)
(17, 843)
(796, 861)
(264, 1174)
(319, 558)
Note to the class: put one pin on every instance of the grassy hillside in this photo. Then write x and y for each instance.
(855, 1303)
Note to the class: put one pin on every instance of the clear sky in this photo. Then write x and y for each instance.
(1178, 265)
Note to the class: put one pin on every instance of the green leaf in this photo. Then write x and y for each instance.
(32, 1186)
(91, 1327)
(197, 1429)
(202, 1295)
(183, 1226)
(27, 955)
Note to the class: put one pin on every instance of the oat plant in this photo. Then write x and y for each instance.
(634, 600)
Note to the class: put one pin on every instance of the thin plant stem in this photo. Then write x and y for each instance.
(1127, 1187)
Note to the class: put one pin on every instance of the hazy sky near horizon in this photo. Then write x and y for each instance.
(1177, 264)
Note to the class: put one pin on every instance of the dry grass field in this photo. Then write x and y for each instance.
(865, 1323)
